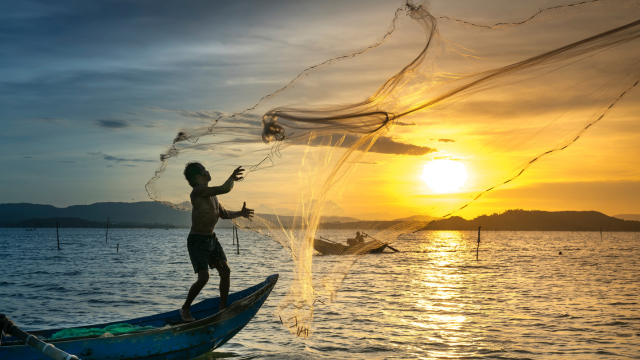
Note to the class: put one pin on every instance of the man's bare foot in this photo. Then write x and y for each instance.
(186, 315)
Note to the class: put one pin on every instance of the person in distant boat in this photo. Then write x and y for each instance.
(203, 245)
(360, 237)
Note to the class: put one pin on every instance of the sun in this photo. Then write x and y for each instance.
(444, 176)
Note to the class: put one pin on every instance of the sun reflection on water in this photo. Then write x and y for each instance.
(440, 294)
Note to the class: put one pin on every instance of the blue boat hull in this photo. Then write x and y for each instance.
(171, 340)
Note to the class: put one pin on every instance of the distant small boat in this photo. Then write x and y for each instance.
(171, 338)
(325, 247)
(34, 229)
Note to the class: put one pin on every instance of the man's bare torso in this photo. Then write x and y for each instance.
(205, 213)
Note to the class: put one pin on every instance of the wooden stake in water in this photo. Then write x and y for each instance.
(118, 247)
(600, 234)
(478, 248)
(57, 235)
(235, 234)
(107, 234)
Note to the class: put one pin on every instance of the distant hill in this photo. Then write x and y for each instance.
(512, 220)
(634, 217)
(147, 212)
(523, 220)
(136, 214)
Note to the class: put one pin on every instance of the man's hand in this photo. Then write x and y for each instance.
(245, 212)
(237, 174)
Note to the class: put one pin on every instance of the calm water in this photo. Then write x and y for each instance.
(431, 300)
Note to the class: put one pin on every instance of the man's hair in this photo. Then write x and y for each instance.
(191, 171)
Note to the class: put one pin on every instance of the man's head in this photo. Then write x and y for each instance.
(357, 232)
(196, 174)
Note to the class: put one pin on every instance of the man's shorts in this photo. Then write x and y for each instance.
(204, 250)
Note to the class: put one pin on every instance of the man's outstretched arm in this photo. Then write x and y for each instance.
(206, 191)
(245, 212)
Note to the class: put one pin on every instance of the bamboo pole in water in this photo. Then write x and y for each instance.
(57, 235)
(107, 234)
(235, 230)
(478, 248)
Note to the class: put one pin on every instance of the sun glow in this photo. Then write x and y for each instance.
(444, 176)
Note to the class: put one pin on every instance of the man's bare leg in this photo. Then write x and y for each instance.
(225, 280)
(203, 278)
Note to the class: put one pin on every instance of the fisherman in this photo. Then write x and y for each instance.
(360, 237)
(202, 243)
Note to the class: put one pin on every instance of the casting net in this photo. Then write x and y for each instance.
(110, 330)
(497, 94)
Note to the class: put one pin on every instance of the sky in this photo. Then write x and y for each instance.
(91, 93)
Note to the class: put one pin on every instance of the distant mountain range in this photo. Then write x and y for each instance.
(514, 220)
(535, 220)
(148, 214)
(155, 215)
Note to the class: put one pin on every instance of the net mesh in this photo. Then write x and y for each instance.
(111, 329)
(496, 112)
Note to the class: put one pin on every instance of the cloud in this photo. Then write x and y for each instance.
(50, 120)
(117, 159)
(400, 123)
(28, 157)
(66, 162)
(130, 165)
(445, 140)
(384, 145)
(132, 113)
(112, 124)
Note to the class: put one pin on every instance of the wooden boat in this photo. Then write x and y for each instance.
(331, 248)
(172, 338)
